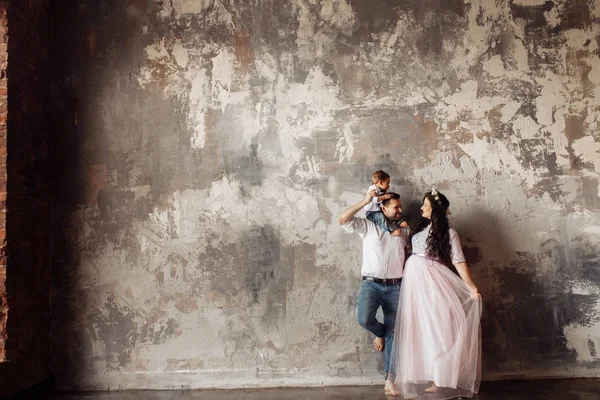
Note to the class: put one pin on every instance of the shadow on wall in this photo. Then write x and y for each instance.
(526, 312)
(495, 254)
(136, 166)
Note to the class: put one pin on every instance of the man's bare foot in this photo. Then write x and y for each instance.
(378, 344)
(432, 389)
(390, 389)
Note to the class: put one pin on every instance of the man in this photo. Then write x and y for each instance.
(382, 264)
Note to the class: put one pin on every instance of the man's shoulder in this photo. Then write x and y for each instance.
(366, 221)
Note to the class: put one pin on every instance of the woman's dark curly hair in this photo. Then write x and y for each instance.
(438, 242)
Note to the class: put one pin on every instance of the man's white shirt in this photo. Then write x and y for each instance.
(383, 254)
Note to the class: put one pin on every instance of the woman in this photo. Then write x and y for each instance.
(437, 341)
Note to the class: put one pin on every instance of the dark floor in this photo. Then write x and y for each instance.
(567, 389)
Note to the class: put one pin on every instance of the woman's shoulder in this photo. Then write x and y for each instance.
(453, 232)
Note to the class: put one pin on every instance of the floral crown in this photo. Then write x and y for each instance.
(436, 196)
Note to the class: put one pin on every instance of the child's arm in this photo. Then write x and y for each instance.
(377, 198)
(383, 197)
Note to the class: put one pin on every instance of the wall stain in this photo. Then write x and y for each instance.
(212, 144)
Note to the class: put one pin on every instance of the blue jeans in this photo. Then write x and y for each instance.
(372, 296)
(379, 218)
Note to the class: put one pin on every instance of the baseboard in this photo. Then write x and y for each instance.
(247, 380)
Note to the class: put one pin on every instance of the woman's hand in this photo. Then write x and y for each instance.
(465, 274)
(474, 292)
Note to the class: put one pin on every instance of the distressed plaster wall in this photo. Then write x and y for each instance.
(202, 150)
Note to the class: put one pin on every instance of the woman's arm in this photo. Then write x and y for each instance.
(465, 274)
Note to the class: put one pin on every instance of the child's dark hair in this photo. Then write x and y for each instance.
(379, 175)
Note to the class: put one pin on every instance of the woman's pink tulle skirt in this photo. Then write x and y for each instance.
(438, 333)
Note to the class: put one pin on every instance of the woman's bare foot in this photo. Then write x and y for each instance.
(390, 389)
(378, 344)
(432, 389)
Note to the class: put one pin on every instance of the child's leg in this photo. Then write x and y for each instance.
(379, 218)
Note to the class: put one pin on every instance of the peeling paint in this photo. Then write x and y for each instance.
(196, 241)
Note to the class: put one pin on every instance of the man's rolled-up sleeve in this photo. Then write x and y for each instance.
(356, 225)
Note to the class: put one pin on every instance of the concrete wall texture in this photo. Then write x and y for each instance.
(203, 148)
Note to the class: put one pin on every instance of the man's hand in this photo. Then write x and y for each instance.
(370, 195)
(350, 212)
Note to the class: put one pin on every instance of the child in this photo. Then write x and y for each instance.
(380, 185)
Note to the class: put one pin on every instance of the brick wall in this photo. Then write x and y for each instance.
(25, 194)
(3, 115)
